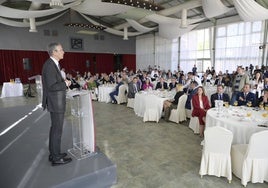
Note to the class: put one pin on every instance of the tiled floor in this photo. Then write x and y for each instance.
(147, 154)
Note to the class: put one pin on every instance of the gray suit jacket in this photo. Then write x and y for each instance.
(131, 90)
(54, 88)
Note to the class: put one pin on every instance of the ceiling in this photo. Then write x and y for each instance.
(115, 17)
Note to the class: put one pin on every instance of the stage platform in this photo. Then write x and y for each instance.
(24, 155)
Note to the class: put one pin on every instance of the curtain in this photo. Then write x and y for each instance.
(238, 44)
(11, 63)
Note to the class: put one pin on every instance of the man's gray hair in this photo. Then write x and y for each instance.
(51, 47)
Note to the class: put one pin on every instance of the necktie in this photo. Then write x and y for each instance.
(245, 95)
(135, 88)
(59, 66)
(220, 97)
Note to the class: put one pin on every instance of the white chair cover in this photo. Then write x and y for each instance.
(93, 95)
(130, 103)
(250, 162)
(152, 112)
(216, 157)
(121, 97)
(194, 124)
(179, 114)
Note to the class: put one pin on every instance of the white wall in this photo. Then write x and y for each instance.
(21, 39)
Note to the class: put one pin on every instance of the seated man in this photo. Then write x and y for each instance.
(161, 84)
(172, 104)
(219, 95)
(74, 84)
(263, 100)
(191, 91)
(246, 97)
(172, 84)
(133, 88)
(116, 91)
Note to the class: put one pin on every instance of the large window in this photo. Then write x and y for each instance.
(195, 50)
(238, 44)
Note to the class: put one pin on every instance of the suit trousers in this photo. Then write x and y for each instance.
(55, 133)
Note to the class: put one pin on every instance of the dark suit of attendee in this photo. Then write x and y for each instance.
(263, 100)
(172, 84)
(219, 95)
(161, 84)
(133, 88)
(74, 84)
(191, 91)
(243, 98)
(246, 96)
(54, 100)
(116, 91)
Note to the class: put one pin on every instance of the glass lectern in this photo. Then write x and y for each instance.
(83, 129)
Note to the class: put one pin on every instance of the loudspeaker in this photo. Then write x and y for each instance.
(87, 64)
(27, 64)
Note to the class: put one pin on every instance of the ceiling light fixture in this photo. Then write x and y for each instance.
(88, 26)
(57, 4)
(144, 4)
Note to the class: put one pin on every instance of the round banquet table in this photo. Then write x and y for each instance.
(236, 120)
(145, 101)
(104, 91)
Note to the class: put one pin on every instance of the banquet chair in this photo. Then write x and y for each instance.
(152, 112)
(179, 114)
(250, 161)
(130, 102)
(121, 97)
(216, 155)
(194, 122)
(93, 95)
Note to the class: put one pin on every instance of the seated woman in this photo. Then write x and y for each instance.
(172, 104)
(200, 106)
(147, 85)
(91, 84)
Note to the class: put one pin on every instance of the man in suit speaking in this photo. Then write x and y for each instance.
(54, 100)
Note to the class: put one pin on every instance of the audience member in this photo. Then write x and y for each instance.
(239, 81)
(172, 84)
(219, 95)
(116, 91)
(172, 104)
(161, 84)
(191, 91)
(200, 106)
(263, 100)
(147, 85)
(246, 97)
(133, 88)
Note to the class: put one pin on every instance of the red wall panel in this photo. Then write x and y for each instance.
(11, 63)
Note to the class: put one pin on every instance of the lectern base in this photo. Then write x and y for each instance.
(81, 152)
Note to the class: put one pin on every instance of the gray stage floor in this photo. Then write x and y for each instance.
(24, 155)
(147, 155)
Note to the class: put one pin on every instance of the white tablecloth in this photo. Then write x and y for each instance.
(12, 90)
(144, 101)
(104, 91)
(234, 120)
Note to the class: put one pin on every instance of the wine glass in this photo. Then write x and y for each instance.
(249, 103)
(235, 103)
(261, 106)
(266, 107)
(226, 104)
